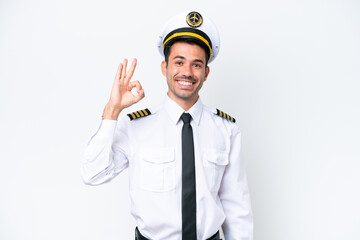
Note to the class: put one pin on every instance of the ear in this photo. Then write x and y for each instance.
(163, 68)
(207, 71)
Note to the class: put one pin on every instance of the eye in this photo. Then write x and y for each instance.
(197, 65)
(178, 63)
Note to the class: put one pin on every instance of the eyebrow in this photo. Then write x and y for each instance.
(183, 58)
(199, 60)
(178, 56)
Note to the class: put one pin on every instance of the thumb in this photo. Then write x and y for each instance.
(140, 95)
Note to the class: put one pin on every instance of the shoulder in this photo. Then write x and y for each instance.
(135, 123)
(225, 115)
(138, 119)
(142, 115)
(139, 114)
(223, 121)
(216, 113)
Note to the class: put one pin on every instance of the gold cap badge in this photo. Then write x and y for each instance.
(194, 19)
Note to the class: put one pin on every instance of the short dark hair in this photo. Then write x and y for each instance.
(167, 49)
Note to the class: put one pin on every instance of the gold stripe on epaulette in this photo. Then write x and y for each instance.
(139, 114)
(224, 115)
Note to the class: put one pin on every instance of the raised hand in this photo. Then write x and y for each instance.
(121, 96)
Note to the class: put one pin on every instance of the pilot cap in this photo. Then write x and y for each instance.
(191, 25)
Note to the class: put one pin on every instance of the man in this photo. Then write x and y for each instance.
(186, 176)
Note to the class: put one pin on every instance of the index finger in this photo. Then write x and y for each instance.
(130, 73)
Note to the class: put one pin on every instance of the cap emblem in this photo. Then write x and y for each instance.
(194, 19)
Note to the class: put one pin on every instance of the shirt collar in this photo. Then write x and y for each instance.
(175, 111)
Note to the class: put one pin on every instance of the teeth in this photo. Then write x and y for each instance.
(185, 83)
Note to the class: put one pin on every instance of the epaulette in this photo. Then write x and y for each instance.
(224, 115)
(139, 114)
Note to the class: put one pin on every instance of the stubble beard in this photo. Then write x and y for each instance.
(183, 94)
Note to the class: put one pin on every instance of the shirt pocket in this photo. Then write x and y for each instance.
(214, 162)
(157, 169)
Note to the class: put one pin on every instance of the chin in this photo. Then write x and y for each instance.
(185, 96)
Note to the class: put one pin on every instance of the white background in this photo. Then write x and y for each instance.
(288, 71)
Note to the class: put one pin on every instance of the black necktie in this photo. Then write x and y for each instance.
(188, 181)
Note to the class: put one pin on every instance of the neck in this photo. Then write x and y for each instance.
(185, 104)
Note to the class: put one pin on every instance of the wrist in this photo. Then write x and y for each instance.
(111, 113)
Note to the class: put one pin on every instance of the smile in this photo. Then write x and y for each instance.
(185, 83)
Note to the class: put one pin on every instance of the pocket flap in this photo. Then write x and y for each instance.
(216, 156)
(158, 155)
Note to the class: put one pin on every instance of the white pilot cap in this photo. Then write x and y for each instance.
(191, 26)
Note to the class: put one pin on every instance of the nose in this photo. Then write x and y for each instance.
(187, 70)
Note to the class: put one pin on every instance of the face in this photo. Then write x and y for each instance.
(185, 72)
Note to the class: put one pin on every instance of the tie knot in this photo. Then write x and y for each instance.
(186, 117)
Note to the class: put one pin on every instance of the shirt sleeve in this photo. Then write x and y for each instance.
(234, 195)
(105, 153)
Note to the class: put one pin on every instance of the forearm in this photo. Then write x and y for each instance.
(238, 224)
(98, 165)
(105, 154)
